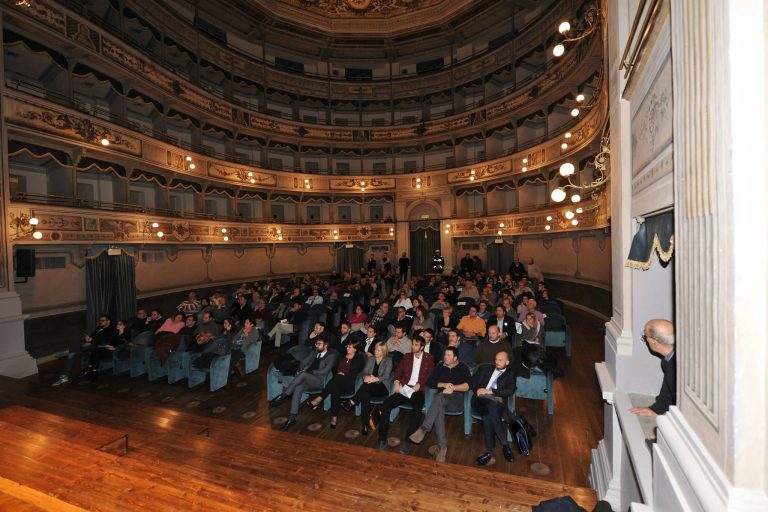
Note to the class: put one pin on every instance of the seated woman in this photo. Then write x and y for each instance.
(377, 382)
(421, 320)
(220, 346)
(482, 310)
(242, 340)
(358, 318)
(167, 336)
(123, 345)
(343, 380)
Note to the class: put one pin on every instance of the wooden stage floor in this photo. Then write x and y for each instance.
(190, 449)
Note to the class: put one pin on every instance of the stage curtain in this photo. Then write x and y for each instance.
(110, 287)
(425, 240)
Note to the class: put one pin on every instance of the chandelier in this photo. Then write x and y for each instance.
(599, 177)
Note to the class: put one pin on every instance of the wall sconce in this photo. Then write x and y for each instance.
(590, 24)
(391, 231)
(601, 175)
(26, 225)
(307, 183)
(447, 229)
(472, 175)
(151, 229)
(335, 234)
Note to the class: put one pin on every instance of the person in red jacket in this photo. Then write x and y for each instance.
(409, 388)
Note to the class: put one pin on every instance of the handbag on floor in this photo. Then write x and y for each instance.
(522, 433)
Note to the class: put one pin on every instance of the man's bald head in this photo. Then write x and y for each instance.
(663, 331)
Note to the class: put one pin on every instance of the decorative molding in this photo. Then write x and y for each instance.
(242, 176)
(480, 172)
(62, 124)
(354, 184)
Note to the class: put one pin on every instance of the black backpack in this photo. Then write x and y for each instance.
(287, 364)
(522, 433)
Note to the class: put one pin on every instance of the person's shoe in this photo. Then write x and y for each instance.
(507, 452)
(288, 424)
(405, 448)
(441, 453)
(240, 367)
(347, 405)
(312, 405)
(382, 445)
(364, 431)
(279, 399)
(86, 371)
(418, 436)
(484, 459)
(332, 425)
(63, 379)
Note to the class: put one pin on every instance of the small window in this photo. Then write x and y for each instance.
(380, 166)
(345, 213)
(276, 163)
(313, 214)
(311, 166)
(342, 166)
(377, 213)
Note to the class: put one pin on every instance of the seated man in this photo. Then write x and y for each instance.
(402, 320)
(398, 345)
(505, 324)
(241, 309)
(410, 379)
(451, 380)
(289, 324)
(380, 317)
(659, 335)
(532, 310)
(98, 345)
(492, 386)
(532, 351)
(312, 374)
(466, 350)
(320, 332)
(486, 350)
(469, 291)
(431, 346)
(347, 334)
(472, 326)
(191, 306)
(207, 331)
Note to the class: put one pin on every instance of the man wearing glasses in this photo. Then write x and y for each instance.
(659, 335)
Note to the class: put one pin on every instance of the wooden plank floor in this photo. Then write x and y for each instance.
(240, 451)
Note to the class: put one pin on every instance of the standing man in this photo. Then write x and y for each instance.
(659, 335)
(404, 263)
(372, 264)
(438, 263)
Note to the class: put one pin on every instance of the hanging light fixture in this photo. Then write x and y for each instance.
(569, 215)
(558, 195)
(590, 24)
(567, 169)
(575, 198)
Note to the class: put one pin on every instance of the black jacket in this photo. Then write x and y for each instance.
(505, 386)
(668, 390)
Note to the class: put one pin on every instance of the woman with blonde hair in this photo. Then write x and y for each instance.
(377, 382)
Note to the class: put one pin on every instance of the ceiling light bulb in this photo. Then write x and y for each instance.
(253, 180)
(418, 185)
(280, 237)
(567, 135)
(104, 141)
(558, 195)
(307, 186)
(279, 231)
(547, 227)
(335, 231)
(575, 222)
(188, 159)
(362, 189)
(567, 169)
(579, 210)
(226, 239)
(575, 112)
(155, 225)
(335, 237)
(569, 215)
(498, 232)
(160, 234)
(564, 27)
(563, 146)
(362, 183)
(37, 235)
(34, 221)
(471, 178)
(418, 180)
(192, 166)
(575, 198)
(447, 225)
(549, 218)
(524, 169)
(580, 98)
(501, 224)
(525, 160)
(558, 50)
(250, 174)
(223, 230)
(472, 172)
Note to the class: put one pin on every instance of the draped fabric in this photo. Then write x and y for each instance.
(110, 287)
(655, 234)
(349, 259)
(500, 256)
(424, 241)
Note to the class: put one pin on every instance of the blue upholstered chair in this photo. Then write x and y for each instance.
(557, 333)
(155, 369)
(540, 386)
(252, 357)
(466, 411)
(219, 372)
(408, 407)
(276, 381)
(137, 360)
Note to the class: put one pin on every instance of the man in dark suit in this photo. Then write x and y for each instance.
(410, 379)
(312, 374)
(492, 386)
(659, 335)
(100, 344)
(430, 345)
(505, 324)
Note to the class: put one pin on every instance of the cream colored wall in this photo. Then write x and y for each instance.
(585, 255)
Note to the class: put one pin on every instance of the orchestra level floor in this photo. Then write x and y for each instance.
(191, 449)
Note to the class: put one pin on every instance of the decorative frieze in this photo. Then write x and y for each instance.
(355, 184)
(479, 172)
(242, 176)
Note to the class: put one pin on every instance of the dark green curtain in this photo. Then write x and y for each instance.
(655, 234)
(110, 287)
(500, 256)
(424, 241)
(349, 259)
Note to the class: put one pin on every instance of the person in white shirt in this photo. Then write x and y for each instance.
(315, 298)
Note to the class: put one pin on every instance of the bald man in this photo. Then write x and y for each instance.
(659, 335)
